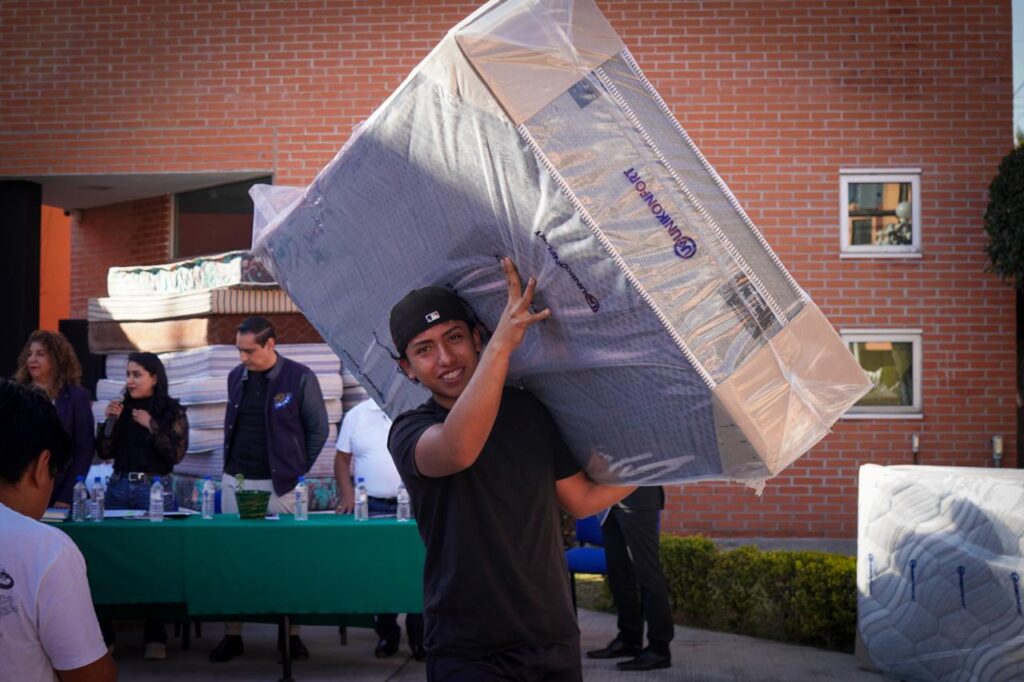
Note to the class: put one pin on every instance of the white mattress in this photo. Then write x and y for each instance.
(939, 563)
(204, 439)
(207, 389)
(210, 461)
(220, 360)
(194, 274)
(531, 132)
(211, 415)
(324, 464)
(354, 393)
(235, 300)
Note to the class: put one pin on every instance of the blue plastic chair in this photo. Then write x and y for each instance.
(589, 557)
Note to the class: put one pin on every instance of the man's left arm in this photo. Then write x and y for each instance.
(314, 417)
(581, 496)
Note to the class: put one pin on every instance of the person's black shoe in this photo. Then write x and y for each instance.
(298, 648)
(647, 660)
(386, 648)
(418, 652)
(616, 648)
(228, 648)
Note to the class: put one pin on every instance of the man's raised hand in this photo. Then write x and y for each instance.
(517, 316)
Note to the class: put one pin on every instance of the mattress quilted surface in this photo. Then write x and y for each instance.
(939, 563)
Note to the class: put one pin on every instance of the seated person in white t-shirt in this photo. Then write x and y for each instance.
(48, 628)
(363, 439)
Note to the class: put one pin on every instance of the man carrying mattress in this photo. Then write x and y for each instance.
(487, 469)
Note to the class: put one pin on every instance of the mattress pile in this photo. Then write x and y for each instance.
(940, 556)
(679, 347)
(190, 304)
(187, 313)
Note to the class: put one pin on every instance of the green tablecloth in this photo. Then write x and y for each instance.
(327, 565)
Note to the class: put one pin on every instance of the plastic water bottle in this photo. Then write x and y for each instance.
(362, 506)
(97, 505)
(301, 500)
(403, 513)
(79, 500)
(156, 500)
(209, 501)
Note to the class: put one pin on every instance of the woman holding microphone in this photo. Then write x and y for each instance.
(146, 434)
(147, 437)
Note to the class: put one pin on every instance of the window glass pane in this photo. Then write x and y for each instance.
(880, 213)
(889, 365)
(215, 219)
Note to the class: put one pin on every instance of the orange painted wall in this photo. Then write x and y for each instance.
(54, 267)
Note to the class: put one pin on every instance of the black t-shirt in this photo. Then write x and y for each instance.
(248, 455)
(495, 574)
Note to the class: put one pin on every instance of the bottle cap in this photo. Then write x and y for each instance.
(302, 479)
(360, 480)
(80, 478)
(156, 479)
(97, 480)
(206, 478)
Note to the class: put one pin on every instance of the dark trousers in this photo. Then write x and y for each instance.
(546, 662)
(386, 624)
(152, 631)
(637, 582)
(125, 494)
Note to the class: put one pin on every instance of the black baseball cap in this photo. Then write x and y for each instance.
(420, 310)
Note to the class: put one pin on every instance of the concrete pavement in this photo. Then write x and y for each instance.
(697, 656)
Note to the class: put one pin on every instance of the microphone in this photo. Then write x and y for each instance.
(108, 427)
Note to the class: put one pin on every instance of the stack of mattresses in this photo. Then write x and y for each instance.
(190, 304)
(354, 392)
(187, 313)
(940, 555)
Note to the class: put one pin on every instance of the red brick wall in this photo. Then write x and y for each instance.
(132, 233)
(779, 94)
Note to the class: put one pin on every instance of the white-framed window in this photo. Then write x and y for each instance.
(880, 213)
(892, 360)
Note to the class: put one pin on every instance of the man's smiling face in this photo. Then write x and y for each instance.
(443, 359)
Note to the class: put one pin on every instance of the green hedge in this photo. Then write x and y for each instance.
(803, 597)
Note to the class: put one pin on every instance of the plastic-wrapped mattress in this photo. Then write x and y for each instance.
(211, 415)
(679, 347)
(209, 460)
(206, 389)
(940, 555)
(220, 360)
(354, 393)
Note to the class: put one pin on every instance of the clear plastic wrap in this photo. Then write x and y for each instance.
(940, 555)
(679, 347)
